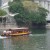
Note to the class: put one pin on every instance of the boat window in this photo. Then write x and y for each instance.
(20, 31)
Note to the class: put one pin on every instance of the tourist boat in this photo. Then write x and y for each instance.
(16, 32)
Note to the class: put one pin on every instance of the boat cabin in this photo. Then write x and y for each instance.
(16, 31)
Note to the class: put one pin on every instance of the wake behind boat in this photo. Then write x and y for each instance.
(1, 37)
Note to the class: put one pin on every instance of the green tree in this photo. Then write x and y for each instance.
(29, 13)
(16, 7)
(2, 14)
(39, 17)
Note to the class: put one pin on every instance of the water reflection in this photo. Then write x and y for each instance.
(39, 31)
(38, 40)
(25, 43)
(1, 45)
(48, 39)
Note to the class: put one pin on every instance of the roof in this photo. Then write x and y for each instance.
(20, 28)
(17, 29)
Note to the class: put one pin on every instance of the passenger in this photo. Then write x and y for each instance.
(8, 32)
(4, 31)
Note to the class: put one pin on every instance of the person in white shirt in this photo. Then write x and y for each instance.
(4, 31)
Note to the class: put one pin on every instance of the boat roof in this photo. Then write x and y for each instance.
(19, 28)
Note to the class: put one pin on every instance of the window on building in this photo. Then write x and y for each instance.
(49, 5)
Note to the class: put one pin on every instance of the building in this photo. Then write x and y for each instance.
(4, 2)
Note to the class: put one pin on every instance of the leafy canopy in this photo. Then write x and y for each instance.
(16, 7)
(29, 12)
(2, 12)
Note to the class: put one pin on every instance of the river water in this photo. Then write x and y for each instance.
(38, 40)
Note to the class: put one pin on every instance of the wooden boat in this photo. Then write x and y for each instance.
(15, 32)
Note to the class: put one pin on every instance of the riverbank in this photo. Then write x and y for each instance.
(2, 27)
(48, 26)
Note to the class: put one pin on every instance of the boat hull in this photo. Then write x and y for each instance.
(17, 34)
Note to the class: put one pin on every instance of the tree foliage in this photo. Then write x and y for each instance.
(39, 16)
(29, 12)
(16, 7)
(2, 12)
(29, 5)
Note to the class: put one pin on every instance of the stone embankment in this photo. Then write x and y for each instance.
(7, 27)
(48, 25)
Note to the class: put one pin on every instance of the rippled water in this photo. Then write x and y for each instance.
(30, 42)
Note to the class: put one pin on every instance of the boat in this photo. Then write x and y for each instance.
(16, 32)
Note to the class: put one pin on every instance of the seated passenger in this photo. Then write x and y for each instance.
(4, 31)
(8, 32)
